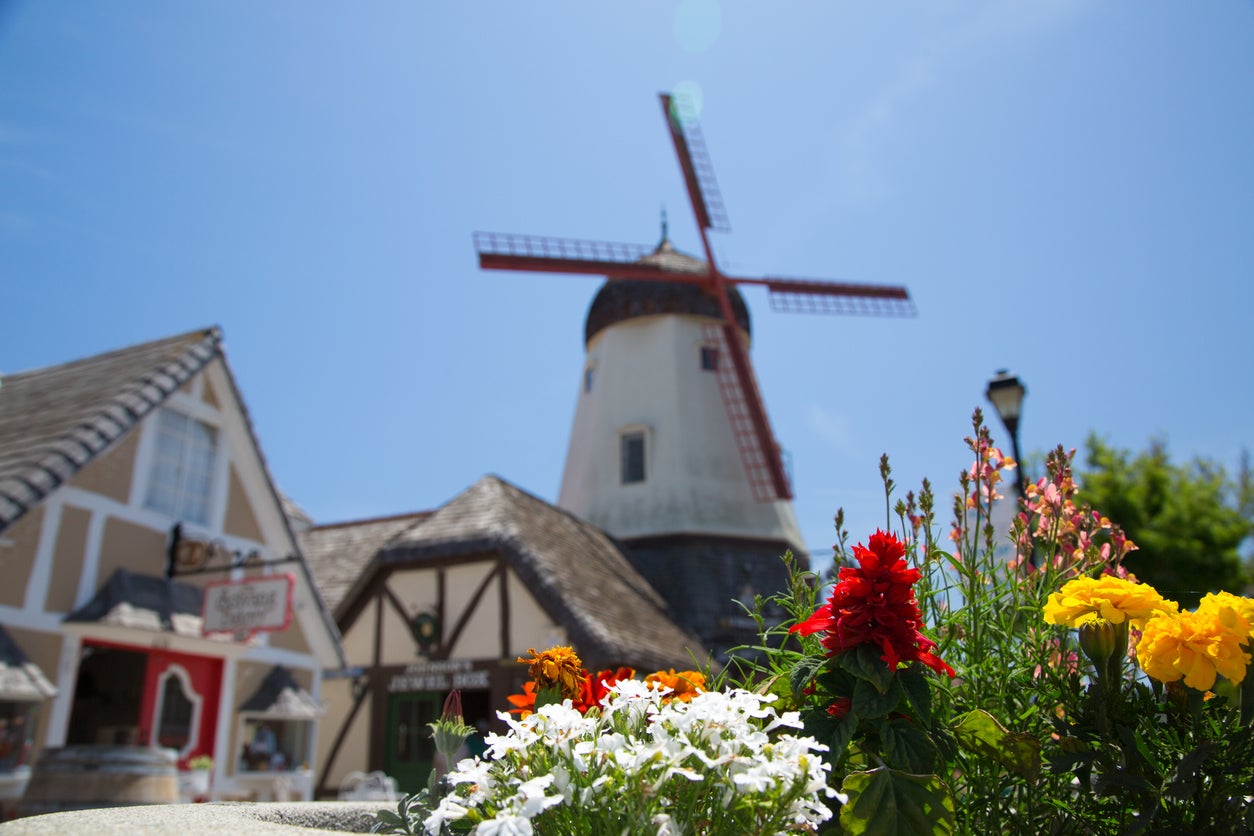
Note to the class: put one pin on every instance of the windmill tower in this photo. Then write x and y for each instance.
(671, 449)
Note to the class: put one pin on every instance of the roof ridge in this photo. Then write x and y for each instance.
(52, 462)
(368, 520)
(211, 332)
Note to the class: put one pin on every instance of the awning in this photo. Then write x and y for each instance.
(144, 602)
(21, 680)
(279, 697)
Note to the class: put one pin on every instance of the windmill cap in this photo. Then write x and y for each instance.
(623, 299)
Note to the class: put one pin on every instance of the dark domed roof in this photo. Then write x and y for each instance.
(623, 299)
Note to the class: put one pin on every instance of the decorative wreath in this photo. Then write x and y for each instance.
(425, 628)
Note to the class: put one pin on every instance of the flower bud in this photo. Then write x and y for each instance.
(1097, 640)
(453, 706)
(1106, 645)
(450, 731)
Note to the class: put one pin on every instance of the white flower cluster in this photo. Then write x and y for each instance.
(717, 764)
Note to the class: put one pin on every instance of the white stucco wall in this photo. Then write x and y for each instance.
(647, 374)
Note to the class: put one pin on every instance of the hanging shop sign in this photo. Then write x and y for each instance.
(439, 676)
(248, 606)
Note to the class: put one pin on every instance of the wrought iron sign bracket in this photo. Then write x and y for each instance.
(188, 556)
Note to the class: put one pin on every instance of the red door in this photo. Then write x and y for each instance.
(179, 708)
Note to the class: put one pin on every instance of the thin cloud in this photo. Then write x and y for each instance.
(833, 429)
(862, 179)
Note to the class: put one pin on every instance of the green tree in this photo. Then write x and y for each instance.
(1189, 521)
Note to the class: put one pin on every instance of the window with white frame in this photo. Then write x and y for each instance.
(181, 481)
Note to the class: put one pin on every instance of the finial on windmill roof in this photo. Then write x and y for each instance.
(665, 242)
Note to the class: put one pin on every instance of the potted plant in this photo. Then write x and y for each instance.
(200, 768)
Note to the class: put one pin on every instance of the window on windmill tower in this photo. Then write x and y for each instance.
(709, 358)
(631, 446)
(587, 379)
(181, 481)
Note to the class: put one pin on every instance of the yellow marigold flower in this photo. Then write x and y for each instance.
(684, 685)
(1233, 609)
(557, 667)
(1115, 599)
(1198, 646)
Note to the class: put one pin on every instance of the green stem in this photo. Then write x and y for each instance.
(1247, 699)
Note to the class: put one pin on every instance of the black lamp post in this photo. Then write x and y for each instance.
(1006, 392)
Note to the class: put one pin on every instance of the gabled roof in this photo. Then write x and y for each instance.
(339, 553)
(281, 697)
(574, 569)
(55, 420)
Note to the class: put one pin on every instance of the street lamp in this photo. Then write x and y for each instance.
(1006, 392)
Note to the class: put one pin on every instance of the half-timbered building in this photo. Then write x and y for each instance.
(450, 599)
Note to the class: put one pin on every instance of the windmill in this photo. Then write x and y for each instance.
(760, 454)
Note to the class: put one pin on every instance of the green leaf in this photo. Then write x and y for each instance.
(1134, 744)
(919, 692)
(548, 695)
(865, 663)
(804, 671)
(870, 703)
(831, 732)
(980, 733)
(886, 802)
(906, 746)
(1121, 779)
(1183, 782)
(834, 680)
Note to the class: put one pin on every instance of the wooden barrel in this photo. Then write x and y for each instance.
(83, 777)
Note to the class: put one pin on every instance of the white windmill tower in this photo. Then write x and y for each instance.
(671, 450)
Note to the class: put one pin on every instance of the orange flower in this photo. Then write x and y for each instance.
(524, 703)
(684, 685)
(592, 689)
(557, 667)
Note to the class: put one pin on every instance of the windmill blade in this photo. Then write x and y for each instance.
(694, 159)
(759, 452)
(814, 296)
(539, 254)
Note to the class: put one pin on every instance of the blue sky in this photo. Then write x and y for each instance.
(1066, 187)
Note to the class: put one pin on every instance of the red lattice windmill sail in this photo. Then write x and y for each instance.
(759, 452)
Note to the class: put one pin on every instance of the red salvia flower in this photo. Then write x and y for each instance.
(840, 707)
(874, 603)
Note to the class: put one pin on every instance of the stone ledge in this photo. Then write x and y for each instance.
(242, 818)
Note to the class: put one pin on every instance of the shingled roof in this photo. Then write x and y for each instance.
(339, 553)
(574, 569)
(55, 420)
